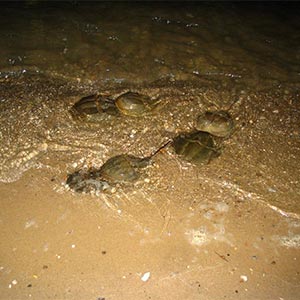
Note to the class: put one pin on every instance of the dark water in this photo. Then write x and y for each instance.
(255, 45)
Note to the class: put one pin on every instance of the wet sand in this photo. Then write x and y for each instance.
(205, 245)
(229, 229)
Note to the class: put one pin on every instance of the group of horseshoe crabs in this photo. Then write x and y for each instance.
(197, 146)
(130, 103)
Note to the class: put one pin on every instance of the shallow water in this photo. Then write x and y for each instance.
(255, 45)
(193, 57)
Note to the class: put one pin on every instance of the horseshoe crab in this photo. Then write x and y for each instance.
(217, 123)
(135, 104)
(92, 106)
(122, 168)
(86, 181)
(197, 147)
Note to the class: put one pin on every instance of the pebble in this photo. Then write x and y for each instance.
(30, 223)
(14, 282)
(145, 276)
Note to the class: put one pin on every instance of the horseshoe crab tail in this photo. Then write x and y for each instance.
(147, 160)
(160, 148)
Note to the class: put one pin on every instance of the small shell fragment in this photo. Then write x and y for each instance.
(145, 276)
(244, 278)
